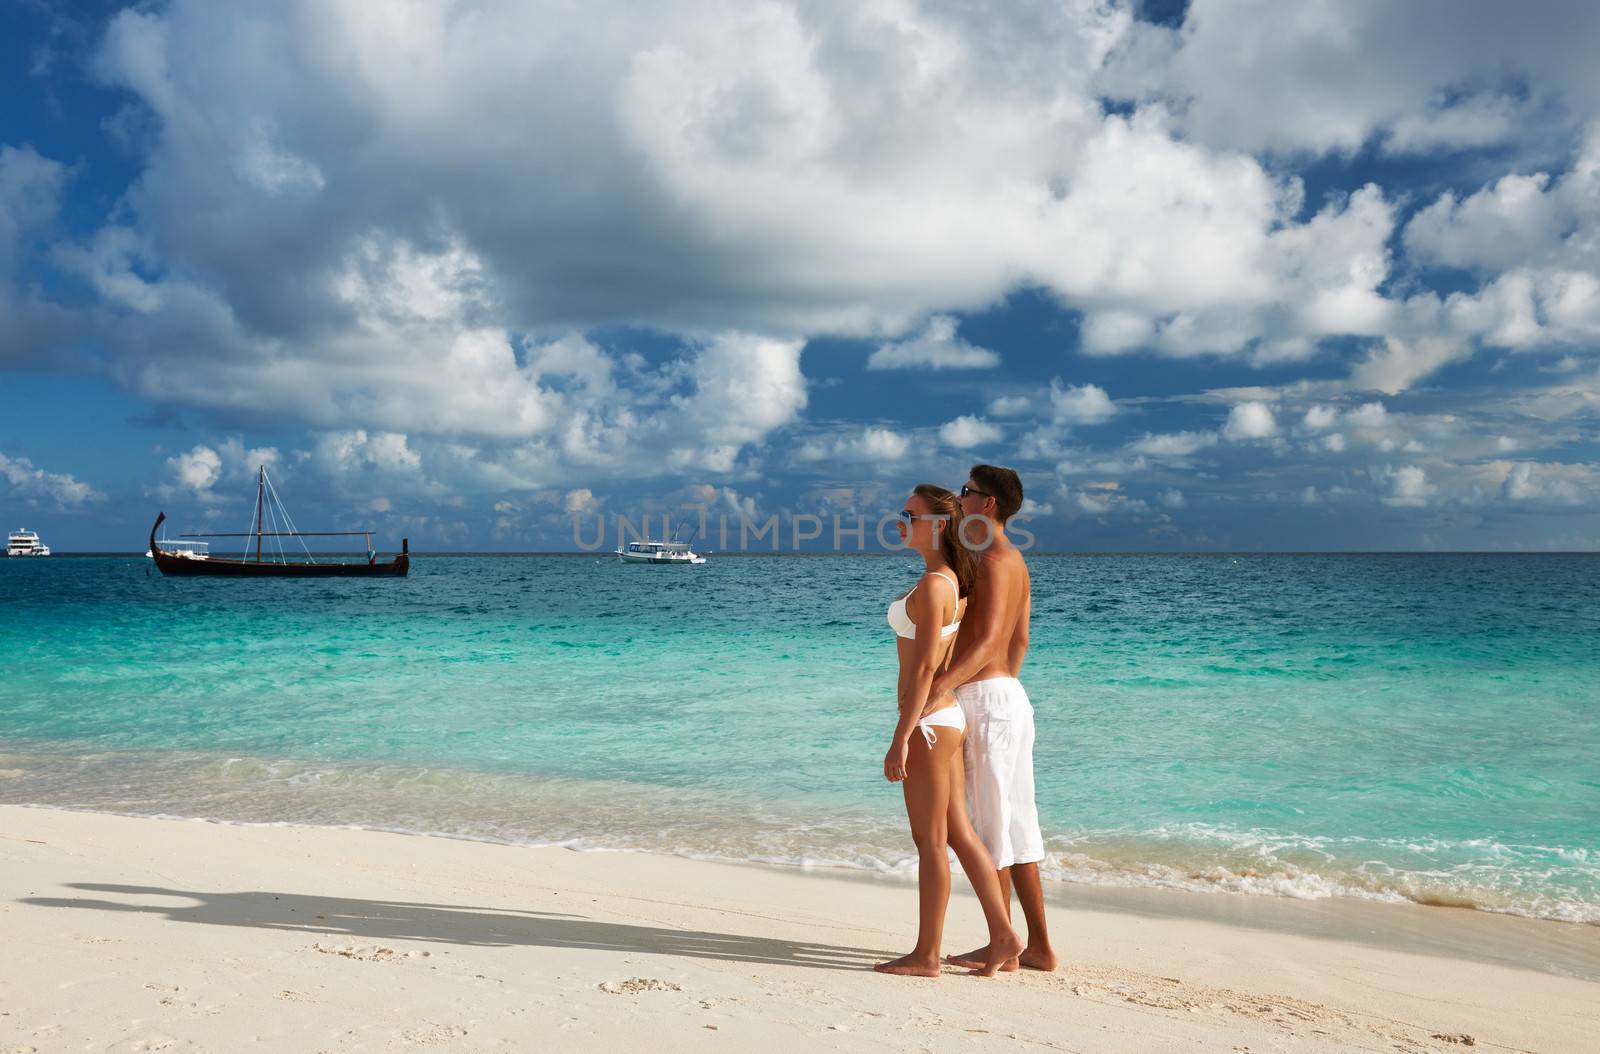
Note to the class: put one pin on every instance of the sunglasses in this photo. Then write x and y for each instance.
(907, 515)
(967, 491)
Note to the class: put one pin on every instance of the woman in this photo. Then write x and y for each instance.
(925, 756)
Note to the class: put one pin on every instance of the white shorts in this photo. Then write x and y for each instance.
(999, 757)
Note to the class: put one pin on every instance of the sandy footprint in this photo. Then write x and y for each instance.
(433, 1034)
(372, 953)
(635, 985)
(1297, 1017)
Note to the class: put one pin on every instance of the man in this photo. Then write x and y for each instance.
(983, 674)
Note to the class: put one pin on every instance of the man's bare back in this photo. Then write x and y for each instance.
(1001, 604)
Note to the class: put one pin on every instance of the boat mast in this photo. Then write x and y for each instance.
(261, 487)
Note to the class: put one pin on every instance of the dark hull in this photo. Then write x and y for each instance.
(183, 567)
(213, 567)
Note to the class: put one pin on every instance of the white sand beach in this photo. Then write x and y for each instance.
(127, 934)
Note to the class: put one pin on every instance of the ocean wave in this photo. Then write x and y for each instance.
(1537, 881)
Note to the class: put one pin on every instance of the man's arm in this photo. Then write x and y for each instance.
(987, 608)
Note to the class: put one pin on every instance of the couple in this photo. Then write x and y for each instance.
(963, 628)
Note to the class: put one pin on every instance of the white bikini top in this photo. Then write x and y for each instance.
(901, 623)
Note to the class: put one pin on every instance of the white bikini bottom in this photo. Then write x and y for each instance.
(950, 717)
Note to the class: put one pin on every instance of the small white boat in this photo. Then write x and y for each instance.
(659, 553)
(24, 542)
(187, 548)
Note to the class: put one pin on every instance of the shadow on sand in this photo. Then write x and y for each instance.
(381, 920)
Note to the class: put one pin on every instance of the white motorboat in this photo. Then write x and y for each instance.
(659, 553)
(24, 542)
(187, 548)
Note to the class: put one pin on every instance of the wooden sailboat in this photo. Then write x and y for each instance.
(279, 566)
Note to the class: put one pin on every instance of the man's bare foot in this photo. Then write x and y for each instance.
(910, 966)
(1038, 958)
(1002, 954)
(978, 958)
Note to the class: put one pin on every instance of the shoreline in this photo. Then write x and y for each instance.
(1557, 946)
(598, 815)
(202, 933)
(518, 809)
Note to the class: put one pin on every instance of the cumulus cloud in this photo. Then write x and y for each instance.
(968, 431)
(1539, 239)
(875, 444)
(1010, 406)
(580, 502)
(705, 169)
(1086, 404)
(1409, 486)
(936, 348)
(197, 469)
(1529, 482)
(33, 484)
(1418, 87)
(1250, 420)
(1320, 418)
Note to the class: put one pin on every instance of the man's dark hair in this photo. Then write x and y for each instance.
(1003, 485)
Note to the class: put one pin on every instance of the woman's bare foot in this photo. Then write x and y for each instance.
(911, 965)
(977, 959)
(1001, 952)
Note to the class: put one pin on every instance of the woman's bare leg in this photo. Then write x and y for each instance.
(1004, 944)
(927, 794)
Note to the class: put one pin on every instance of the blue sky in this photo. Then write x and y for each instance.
(1224, 275)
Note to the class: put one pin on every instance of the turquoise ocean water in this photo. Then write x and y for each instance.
(1394, 727)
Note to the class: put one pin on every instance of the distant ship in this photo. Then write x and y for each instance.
(659, 553)
(24, 542)
(268, 564)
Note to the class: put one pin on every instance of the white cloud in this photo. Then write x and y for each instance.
(1409, 486)
(340, 453)
(30, 197)
(967, 431)
(1502, 226)
(869, 444)
(1481, 120)
(1320, 418)
(1371, 415)
(1173, 444)
(784, 170)
(197, 469)
(1250, 420)
(1010, 406)
(936, 347)
(1553, 484)
(32, 483)
(580, 502)
(1396, 365)
(1334, 75)
(1109, 332)
(1540, 239)
(1173, 498)
(1086, 404)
